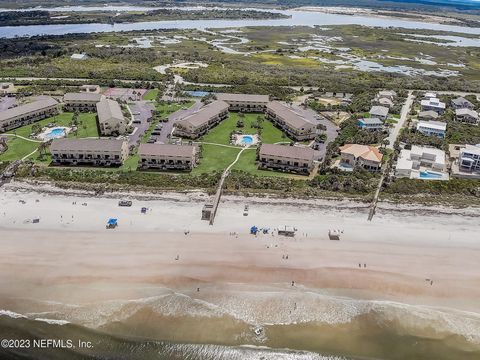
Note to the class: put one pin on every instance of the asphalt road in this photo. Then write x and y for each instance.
(392, 137)
(180, 114)
(316, 119)
(7, 102)
(142, 110)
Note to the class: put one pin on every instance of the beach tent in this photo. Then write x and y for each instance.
(253, 230)
(112, 223)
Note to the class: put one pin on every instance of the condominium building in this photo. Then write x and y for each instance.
(245, 102)
(364, 156)
(167, 156)
(370, 124)
(197, 124)
(82, 102)
(93, 152)
(422, 163)
(110, 118)
(295, 125)
(467, 116)
(286, 158)
(432, 128)
(28, 113)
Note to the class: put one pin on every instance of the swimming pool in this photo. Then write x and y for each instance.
(55, 133)
(430, 175)
(247, 140)
(197, 93)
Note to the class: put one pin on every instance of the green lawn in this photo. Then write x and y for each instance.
(18, 148)
(221, 133)
(151, 94)
(216, 158)
(247, 163)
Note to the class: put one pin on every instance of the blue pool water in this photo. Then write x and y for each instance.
(247, 140)
(430, 175)
(197, 93)
(55, 133)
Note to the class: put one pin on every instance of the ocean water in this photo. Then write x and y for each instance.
(242, 323)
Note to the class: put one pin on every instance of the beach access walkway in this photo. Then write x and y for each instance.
(218, 194)
(407, 106)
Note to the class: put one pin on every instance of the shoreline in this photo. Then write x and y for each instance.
(414, 269)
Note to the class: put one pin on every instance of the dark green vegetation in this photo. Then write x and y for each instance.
(40, 17)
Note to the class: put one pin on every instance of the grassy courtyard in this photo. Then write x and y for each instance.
(217, 158)
(268, 133)
(19, 148)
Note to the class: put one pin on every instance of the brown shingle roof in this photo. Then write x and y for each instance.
(82, 96)
(243, 97)
(86, 144)
(166, 150)
(27, 108)
(292, 152)
(109, 110)
(289, 116)
(203, 115)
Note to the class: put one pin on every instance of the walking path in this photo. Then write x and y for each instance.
(27, 156)
(24, 138)
(218, 194)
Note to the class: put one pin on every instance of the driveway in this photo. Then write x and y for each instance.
(7, 102)
(177, 115)
(142, 111)
(315, 118)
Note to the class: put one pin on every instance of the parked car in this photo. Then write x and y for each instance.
(127, 203)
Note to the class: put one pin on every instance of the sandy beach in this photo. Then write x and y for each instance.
(411, 256)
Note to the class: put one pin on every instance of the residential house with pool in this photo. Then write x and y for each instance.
(28, 113)
(167, 157)
(286, 158)
(419, 162)
(291, 122)
(198, 123)
(91, 152)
